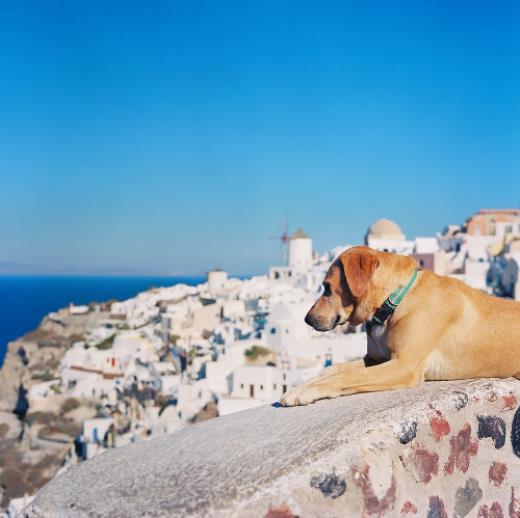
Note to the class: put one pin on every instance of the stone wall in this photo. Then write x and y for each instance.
(448, 449)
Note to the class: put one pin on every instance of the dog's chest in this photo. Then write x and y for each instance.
(377, 343)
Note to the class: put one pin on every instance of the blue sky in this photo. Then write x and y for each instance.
(175, 137)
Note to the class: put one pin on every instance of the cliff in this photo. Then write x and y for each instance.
(35, 357)
(27, 460)
(446, 449)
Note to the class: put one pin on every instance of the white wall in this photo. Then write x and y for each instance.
(300, 253)
(392, 245)
(216, 280)
(263, 382)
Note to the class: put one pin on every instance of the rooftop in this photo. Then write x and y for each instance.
(300, 234)
(384, 229)
(499, 211)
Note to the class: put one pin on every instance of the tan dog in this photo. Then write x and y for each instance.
(441, 330)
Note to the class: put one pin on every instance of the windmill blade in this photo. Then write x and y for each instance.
(283, 238)
(285, 229)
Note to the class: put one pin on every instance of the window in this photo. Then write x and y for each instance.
(241, 385)
(274, 386)
(261, 387)
(273, 330)
(284, 376)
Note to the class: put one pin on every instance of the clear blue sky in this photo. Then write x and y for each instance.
(176, 136)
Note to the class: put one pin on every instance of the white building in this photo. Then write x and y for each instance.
(162, 421)
(96, 435)
(300, 262)
(78, 310)
(386, 236)
(219, 373)
(94, 386)
(287, 334)
(234, 309)
(217, 279)
(300, 252)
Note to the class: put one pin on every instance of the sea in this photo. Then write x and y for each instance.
(26, 299)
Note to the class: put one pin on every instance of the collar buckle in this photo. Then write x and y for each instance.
(386, 309)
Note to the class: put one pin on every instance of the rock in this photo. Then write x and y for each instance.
(10, 426)
(36, 353)
(10, 377)
(340, 457)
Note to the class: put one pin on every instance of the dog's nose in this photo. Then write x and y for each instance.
(308, 320)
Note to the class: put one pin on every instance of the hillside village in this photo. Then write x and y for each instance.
(104, 375)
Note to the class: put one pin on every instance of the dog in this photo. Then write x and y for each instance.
(441, 329)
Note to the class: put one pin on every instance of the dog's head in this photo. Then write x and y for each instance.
(344, 286)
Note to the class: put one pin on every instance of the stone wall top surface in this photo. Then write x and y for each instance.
(221, 466)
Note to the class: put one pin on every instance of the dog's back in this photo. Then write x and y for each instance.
(482, 337)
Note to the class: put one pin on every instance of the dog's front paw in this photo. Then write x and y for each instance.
(303, 395)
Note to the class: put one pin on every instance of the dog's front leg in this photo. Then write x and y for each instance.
(312, 390)
(355, 377)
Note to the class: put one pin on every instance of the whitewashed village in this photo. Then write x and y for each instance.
(172, 356)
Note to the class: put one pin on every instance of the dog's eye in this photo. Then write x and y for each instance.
(326, 289)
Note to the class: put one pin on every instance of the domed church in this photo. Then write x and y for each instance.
(384, 229)
(386, 235)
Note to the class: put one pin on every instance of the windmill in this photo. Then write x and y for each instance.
(283, 238)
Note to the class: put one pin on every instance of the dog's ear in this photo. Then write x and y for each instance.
(358, 268)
